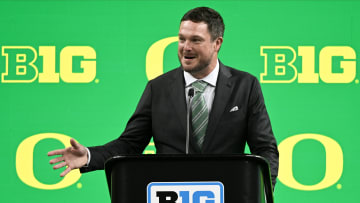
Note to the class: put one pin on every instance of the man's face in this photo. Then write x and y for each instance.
(196, 51)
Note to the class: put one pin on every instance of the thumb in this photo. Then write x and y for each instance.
(74, 143)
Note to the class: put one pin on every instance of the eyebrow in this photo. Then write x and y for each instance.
(192, 36)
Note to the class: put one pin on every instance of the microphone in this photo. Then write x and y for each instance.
(190, 95)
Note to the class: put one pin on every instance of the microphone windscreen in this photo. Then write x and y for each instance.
(191, 92)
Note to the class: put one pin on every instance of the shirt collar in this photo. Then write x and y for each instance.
(210, 79)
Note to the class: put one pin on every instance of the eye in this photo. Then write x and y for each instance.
(181, 39)
(196, 40)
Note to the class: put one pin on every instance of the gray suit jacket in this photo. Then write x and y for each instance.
(161, 114)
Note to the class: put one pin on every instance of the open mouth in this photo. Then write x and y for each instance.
(189, 57)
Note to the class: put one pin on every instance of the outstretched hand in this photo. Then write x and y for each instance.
(73, 157)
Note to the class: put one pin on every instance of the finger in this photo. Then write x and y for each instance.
(74, 143)
(66, 171)
(57, 159)
(56, 152)
(60, 165)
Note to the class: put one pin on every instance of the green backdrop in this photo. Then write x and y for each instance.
(303, 52)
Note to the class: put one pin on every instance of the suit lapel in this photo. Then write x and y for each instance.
(222, 94)
(177, 94)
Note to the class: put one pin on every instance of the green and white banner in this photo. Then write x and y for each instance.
(78, 68)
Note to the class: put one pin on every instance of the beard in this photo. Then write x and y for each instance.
(200, 67)
(196, 69)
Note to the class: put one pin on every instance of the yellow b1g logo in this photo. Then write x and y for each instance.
(20, 67)
(279, 64)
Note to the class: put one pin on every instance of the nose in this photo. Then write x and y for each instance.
(187, 46)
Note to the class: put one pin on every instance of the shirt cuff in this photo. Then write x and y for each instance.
(89, 157)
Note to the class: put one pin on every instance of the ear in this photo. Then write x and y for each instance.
(218, 43)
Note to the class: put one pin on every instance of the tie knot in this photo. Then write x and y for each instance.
(199, 85)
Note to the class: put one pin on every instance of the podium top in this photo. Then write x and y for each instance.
(179, 157)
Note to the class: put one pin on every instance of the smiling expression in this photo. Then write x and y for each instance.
(197, 52)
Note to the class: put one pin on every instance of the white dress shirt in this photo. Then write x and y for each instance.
(209, 92)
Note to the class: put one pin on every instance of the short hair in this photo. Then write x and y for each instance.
(209, 16)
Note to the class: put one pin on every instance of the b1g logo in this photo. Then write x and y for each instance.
(336, 64)
(20, 67)
(185, 192)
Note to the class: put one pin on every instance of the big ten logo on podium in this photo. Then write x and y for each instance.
(20, 64)
(336, 64)
(185, 192)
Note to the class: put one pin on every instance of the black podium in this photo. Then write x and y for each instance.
(189, 179)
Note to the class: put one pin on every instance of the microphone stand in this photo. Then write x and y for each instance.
(190, 94)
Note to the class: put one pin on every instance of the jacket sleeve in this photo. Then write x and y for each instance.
(260, 136)
(133, 140)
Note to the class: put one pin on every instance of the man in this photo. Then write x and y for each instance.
(228, 108)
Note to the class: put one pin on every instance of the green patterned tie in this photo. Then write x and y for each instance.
(200, 113)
